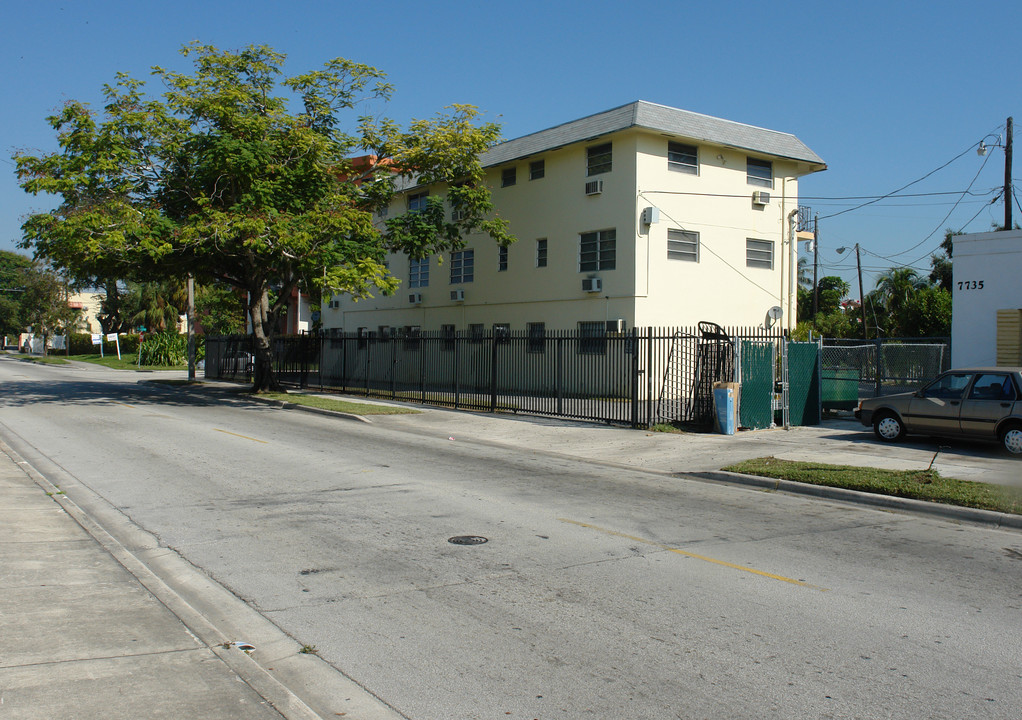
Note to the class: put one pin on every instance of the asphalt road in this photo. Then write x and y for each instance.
(600, 592)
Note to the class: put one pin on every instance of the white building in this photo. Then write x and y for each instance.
(646, 214)
(986, 319)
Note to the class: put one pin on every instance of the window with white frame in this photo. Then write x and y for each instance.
(537, 169)
(418, 273)
(682, 245)
(417, 201)
(597, 250)
(759, 253)
(462, 266)
(508, 177)
(599, 159)
(759, 172)
(683, 158)
(541, 252)
(501, 259)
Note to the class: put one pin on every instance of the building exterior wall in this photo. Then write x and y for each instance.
(90, 305)
(986, 271)
(645, 288)
(717, 204)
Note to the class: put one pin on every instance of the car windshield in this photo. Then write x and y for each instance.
(950, 386)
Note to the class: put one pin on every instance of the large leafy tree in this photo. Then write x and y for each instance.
(44, 303)
(12, 291)
(241, 175)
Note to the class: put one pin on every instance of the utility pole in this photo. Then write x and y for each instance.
(191, 328)
(1007, 177)
(862, 296)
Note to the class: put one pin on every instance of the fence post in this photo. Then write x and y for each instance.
(635, 378)
(393, 368)
(558, 371)
(649, 377)
(303, 370)
(457, 370)
(493, 371)
(422, 368)
(879, 367)
(369, 349)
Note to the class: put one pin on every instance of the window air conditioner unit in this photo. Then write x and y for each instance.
(760, 198)
(594, 187)
(616, 326)
(458, 295)
(415, 298)
(592, 284)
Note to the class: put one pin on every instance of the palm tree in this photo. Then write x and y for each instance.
(893, 291)
(155, 306)
(805, 280)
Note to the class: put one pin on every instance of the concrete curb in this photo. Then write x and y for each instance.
(213, 614)
(284, 405)
(947, 512)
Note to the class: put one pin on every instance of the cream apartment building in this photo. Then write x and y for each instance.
(643, 215)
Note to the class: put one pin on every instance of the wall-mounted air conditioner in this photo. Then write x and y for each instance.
(592, 284)
(594, 187)
(415, 298)
(458, 295)
(760, 198)
(616, 326)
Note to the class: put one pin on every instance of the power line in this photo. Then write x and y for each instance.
(895, 192)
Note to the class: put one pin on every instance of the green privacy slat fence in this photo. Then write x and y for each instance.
(756, 399)
(804, 383)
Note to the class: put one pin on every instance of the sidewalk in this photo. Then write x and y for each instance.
(81, 637)
(91, 629)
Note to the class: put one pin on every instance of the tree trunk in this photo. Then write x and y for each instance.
(265, 380)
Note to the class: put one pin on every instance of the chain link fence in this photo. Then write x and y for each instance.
(854, 369)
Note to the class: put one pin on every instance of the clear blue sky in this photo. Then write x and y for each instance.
(884, 92)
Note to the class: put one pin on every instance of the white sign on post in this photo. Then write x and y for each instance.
(116, 339)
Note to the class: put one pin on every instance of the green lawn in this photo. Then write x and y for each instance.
(127, 362)
(916, 484)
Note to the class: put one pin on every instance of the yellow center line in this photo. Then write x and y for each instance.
(704, 558)
(124, 404)
(246, 437)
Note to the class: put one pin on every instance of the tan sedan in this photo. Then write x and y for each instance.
(972, 403)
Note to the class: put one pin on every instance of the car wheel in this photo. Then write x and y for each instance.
(888, 427)
(1011, 440)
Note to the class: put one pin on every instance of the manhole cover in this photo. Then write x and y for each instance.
(467, 540)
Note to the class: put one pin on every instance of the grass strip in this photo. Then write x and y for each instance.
(126, 362)
(344, 406)
(916, 484)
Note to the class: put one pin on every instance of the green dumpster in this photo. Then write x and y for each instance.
(840, 388)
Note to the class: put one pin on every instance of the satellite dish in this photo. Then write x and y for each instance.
(773, 315)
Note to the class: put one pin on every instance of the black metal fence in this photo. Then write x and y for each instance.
(638, 377)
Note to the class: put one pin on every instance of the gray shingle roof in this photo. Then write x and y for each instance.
(660, 118)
